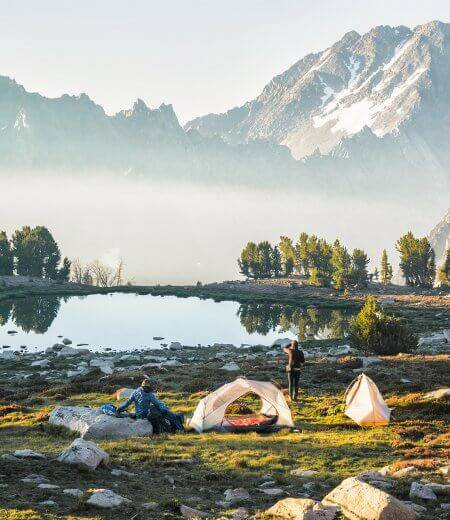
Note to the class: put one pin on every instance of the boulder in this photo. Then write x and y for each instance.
(70, 351)
(28, 454)
(93, 424)
(84, 454)
(236, 495)
(175, 345)
(446, 334)
(361, 501)
(300, 509)
(231, 367)
(341, 350)
(67, 341)
(106, 499)
(422, 492)
(189, 512)
(386, 300)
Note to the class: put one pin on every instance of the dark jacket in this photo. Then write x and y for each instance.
(296, 358)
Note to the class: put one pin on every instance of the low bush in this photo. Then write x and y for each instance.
(374, 330)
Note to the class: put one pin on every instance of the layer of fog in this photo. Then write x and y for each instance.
(174, 233)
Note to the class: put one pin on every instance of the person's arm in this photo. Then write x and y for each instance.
(159, 404)
(126, 404)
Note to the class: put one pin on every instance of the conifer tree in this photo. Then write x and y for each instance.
(342, 263)
(386, 269)
(359, 275)
(276, 262)
(6, 256)
(417, 260)
(287, 252)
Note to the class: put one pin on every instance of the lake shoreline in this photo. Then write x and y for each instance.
(425, 310)
(273, 291)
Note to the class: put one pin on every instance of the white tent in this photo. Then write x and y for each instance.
(210, 411)
(365, 404)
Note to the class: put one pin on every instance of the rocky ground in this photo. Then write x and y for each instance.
(224, 475)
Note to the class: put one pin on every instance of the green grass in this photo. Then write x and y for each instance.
(327, 441)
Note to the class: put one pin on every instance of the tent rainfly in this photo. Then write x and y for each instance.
(210, 411)
(365, 404)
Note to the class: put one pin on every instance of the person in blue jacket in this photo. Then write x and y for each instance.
(143, 398)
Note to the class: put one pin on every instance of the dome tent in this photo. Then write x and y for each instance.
(365, 404)
(210, 411)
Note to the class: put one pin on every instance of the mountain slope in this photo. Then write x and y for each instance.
(439, 238)
(73, 133)
(389, 86)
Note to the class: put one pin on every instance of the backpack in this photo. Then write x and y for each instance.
(159, 422)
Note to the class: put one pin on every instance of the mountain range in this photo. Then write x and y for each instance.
(370, 111)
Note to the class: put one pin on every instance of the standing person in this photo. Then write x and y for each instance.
(296, 359)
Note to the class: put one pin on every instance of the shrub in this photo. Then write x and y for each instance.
(374, 330)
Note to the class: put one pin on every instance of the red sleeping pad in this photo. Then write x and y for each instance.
(257, 422)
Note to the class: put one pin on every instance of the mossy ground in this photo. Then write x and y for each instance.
(326, 440)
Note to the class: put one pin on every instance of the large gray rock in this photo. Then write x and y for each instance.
(361, 501)
(84, 454)
(93, 424)
(421, 492)
(300, 509)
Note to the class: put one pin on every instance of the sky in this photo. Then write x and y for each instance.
(201, 56)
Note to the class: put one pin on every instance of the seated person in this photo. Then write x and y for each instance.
(143, 398)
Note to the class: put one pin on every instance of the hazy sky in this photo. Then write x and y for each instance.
(200, 55)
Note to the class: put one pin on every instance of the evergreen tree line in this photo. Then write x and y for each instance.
(325, 264)
(320, 262)
(32, 252)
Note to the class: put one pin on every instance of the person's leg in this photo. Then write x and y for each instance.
(290, 375)
(296, 380)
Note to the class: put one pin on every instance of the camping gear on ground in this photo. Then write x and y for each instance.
(365, 404)
(210, 411)
(249, 423)
(108, 409)
(165, 421)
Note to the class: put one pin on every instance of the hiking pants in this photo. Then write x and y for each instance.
(293, 380)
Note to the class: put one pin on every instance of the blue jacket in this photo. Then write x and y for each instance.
(142, 402)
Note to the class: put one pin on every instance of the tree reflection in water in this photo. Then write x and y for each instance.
(305, 323)
(5, 312)
(36, 313)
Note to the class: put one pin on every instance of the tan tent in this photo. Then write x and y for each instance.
(365, 404)
(210, 412)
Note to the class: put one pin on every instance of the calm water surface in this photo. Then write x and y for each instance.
(128, 321)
